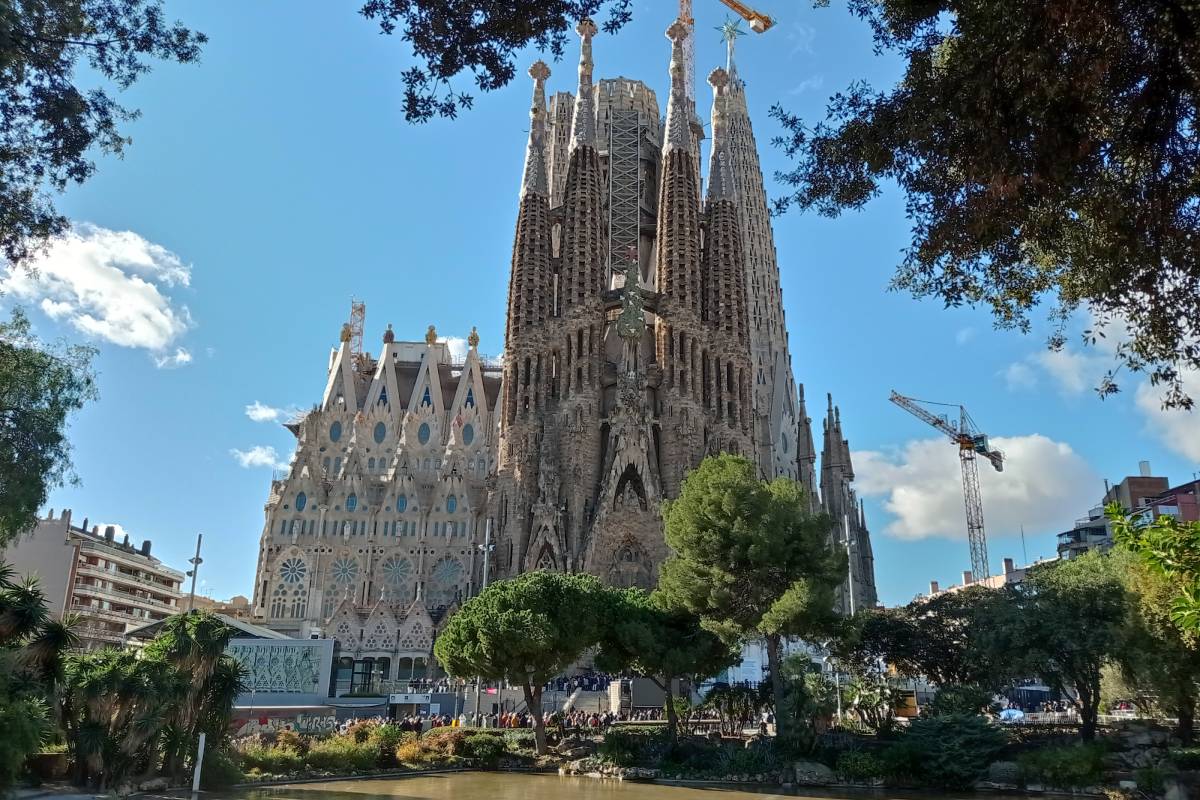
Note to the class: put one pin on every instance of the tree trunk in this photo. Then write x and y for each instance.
(1088, 712)
(1186, 728)
(533, 701)
(672, 717)
(776, 669)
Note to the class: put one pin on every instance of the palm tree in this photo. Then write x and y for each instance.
(22, 607)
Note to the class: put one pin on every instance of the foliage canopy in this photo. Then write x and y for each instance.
(39, 389)
(49, 121)
(449, 38)
(1047, 150)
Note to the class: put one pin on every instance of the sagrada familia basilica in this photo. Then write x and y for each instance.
(645, 331)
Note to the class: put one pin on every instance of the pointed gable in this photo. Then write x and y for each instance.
(345, 625)
(416, 631)
(340, 393)
(385, 386)
(379, 632)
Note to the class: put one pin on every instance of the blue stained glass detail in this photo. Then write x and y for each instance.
(301, 501)
(425, 399)
(335, 431)
(401, 504)
(451, 504)
(423, 431)
(470, 401)
(380, 432)
(352, 502)
(468, 433)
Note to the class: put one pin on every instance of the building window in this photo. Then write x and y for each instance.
(301, 501)
(344, 571)
(423, 431)
(468, 433)
(401, 504)
(380, 432)
(352, 502)
(470, 401)
(335, 431)
(451, 504)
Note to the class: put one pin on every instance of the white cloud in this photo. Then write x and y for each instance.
(1043, 483)
(808, 84)
(1074, 371)
(457, 346)
(801, 38)
(179, 358)
(259, 456)
(261, 412)
(110, 285)
(964, 335)
(1019, 375)
(1177, 429)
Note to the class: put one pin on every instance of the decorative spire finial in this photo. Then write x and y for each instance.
(388, 335)
(678, 134)
(730, 31)
(345, 335)
(473, 337)
(584, 126)
(720, 170)
(431, 335)
(534, 178)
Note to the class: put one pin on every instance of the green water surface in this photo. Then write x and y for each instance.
(510, 786)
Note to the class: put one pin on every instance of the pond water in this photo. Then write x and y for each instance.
(509, 786)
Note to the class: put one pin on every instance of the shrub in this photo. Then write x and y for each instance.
(292, 741)
(1186, 758)
(361, 730)
(447, 741)
(748, 760)
(385, 739)
(1072, 767)
(901, 763)
(25, 725)
(271, 759)
(1152, 780)
(859, 766)
(520, 739)
(341, 753)
(626, 747)
(220, 770)
(484, 749)
(949, 752)
(959, 700)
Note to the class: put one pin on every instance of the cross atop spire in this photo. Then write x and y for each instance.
(678, 135)
(584, 127)
(534, 179)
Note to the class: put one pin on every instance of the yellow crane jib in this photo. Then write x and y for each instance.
(758, 21)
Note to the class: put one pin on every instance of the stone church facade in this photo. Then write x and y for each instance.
(645, 331)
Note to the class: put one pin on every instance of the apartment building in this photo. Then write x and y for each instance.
(110, 583)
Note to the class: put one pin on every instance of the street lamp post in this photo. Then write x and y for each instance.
(487, 547)
(195, 561)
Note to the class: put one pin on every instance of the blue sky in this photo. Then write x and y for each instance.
(266, 186)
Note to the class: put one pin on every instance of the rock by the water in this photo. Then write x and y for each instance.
(813, 773)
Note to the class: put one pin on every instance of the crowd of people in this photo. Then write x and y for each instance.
(589, 682)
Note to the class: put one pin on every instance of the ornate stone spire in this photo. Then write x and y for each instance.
(678, 135)
(534, 179)
(730, 31)
(584, 125)
(720, 169)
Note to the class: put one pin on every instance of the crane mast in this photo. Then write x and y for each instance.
(758, 21)
(971, 443)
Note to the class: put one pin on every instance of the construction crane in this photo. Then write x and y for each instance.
(971, 442)
(759, 23)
